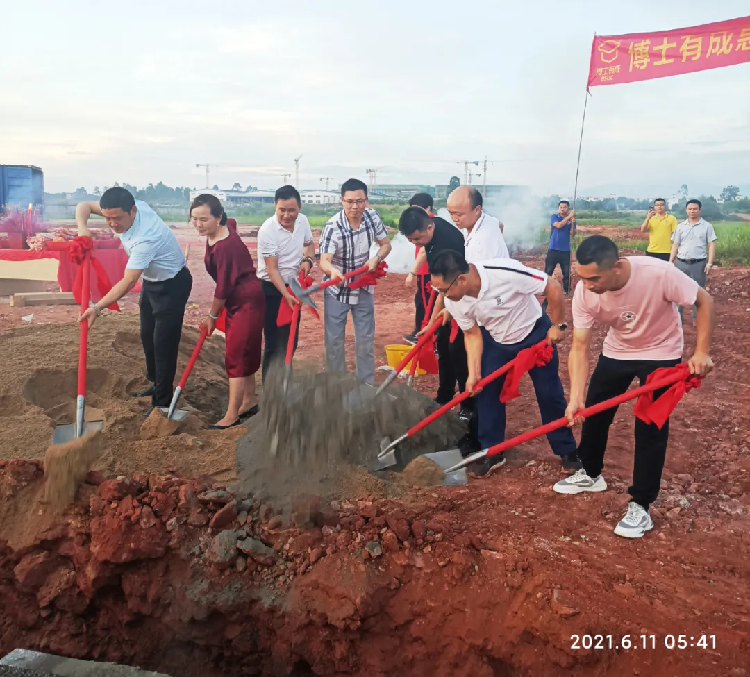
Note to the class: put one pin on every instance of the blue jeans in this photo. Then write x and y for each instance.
(547, 385)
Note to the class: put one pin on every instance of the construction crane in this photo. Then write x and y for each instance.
(373, 174)
(296, 171)
(208, 172)
(326, 179)
(285, 177)
(467, 174)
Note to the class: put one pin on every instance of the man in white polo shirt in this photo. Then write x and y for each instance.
(153, 251)
(285, 247)
(483, 234)
(500, 295)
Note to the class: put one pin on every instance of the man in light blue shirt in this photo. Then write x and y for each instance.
(154, 253)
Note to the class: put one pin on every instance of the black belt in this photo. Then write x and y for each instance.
(692, 260)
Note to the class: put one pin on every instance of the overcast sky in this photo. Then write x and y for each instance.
(98, 92)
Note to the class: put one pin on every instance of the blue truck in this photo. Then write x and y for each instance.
(21, 186)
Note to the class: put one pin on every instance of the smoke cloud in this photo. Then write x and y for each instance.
(401, 258)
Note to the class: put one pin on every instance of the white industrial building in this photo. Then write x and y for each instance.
(319, 197)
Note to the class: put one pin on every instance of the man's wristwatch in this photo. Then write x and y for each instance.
(562, 326)
(212, 317)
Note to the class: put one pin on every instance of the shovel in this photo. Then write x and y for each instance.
(179, 414)
(287, 365)
(304, 294)
(68, 432)
(387, 456)
(563, 422)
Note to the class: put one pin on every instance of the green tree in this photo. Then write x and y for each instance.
(237, 186)
(730, 193)
(454, 183)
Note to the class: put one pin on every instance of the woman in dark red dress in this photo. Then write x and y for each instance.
(240, 295)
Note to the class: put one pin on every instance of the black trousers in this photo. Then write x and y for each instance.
(162, 307)
(611, 378)
(421, 297)
(555, 258)
(656, 255)
(453, 367)
(276, 338)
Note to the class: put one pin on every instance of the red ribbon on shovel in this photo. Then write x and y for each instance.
(79, 247)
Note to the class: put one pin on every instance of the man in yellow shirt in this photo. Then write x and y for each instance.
(660, 227)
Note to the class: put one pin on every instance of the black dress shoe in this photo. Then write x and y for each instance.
(147, 392)
(252, 411)
(224, 427)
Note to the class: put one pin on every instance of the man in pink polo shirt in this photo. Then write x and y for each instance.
(637, 298)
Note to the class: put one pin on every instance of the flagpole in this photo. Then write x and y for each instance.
(580, 146)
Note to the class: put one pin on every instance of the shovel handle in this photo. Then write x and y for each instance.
(338, 280)
(84, 326)
(193, 358)
(463, 396)
(436, 323)
(563, 422)
(293, 327)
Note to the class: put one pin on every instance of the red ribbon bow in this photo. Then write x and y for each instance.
(284, 316)
(79, 247)
(658, 410)
(370, 277)
(527, 359)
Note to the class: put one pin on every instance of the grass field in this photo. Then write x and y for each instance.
(732, 244)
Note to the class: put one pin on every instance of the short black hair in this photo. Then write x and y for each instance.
(423, 200)
(694, 202)
(117, 197)
(449, 264)
(287, 193)
(597, 249)
(214, 206)
(660, 199)
(412, 219)
(353, 184)
(475, 198)
(563, 202)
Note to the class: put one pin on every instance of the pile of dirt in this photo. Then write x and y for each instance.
(188, 578)
(325, 424)
(38, 384)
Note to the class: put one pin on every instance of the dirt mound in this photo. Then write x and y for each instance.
(188, 578)
(38, 385)
(324, 424)
(422, 472)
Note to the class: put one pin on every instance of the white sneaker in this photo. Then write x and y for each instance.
(636, 522)
(580, 482)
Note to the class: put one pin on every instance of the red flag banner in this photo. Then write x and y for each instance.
(617, 59)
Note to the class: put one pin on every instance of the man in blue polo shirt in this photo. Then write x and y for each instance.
(563, 227)
(153, 251)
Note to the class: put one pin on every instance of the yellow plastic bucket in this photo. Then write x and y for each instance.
(395, 353)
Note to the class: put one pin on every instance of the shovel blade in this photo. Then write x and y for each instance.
(446, 459)
(301, 294)
(178, 414)
(67, 432)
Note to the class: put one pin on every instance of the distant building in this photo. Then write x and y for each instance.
(401, 191)
(441, 192)
(319, 197)
(236, 197)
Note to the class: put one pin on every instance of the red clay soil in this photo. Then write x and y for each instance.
(492, 578)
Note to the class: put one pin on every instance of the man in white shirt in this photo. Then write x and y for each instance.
(483, 234)
(501, 295)
(153, 251)
(285, 247)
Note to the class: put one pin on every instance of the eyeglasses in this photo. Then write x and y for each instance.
(447, 289)
(354, 203)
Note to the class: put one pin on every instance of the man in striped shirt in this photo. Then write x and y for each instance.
(345, 246)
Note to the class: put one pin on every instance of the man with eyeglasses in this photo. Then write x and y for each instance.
(494, 303)
(344, 247)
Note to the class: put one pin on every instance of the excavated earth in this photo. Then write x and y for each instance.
(175, 558)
